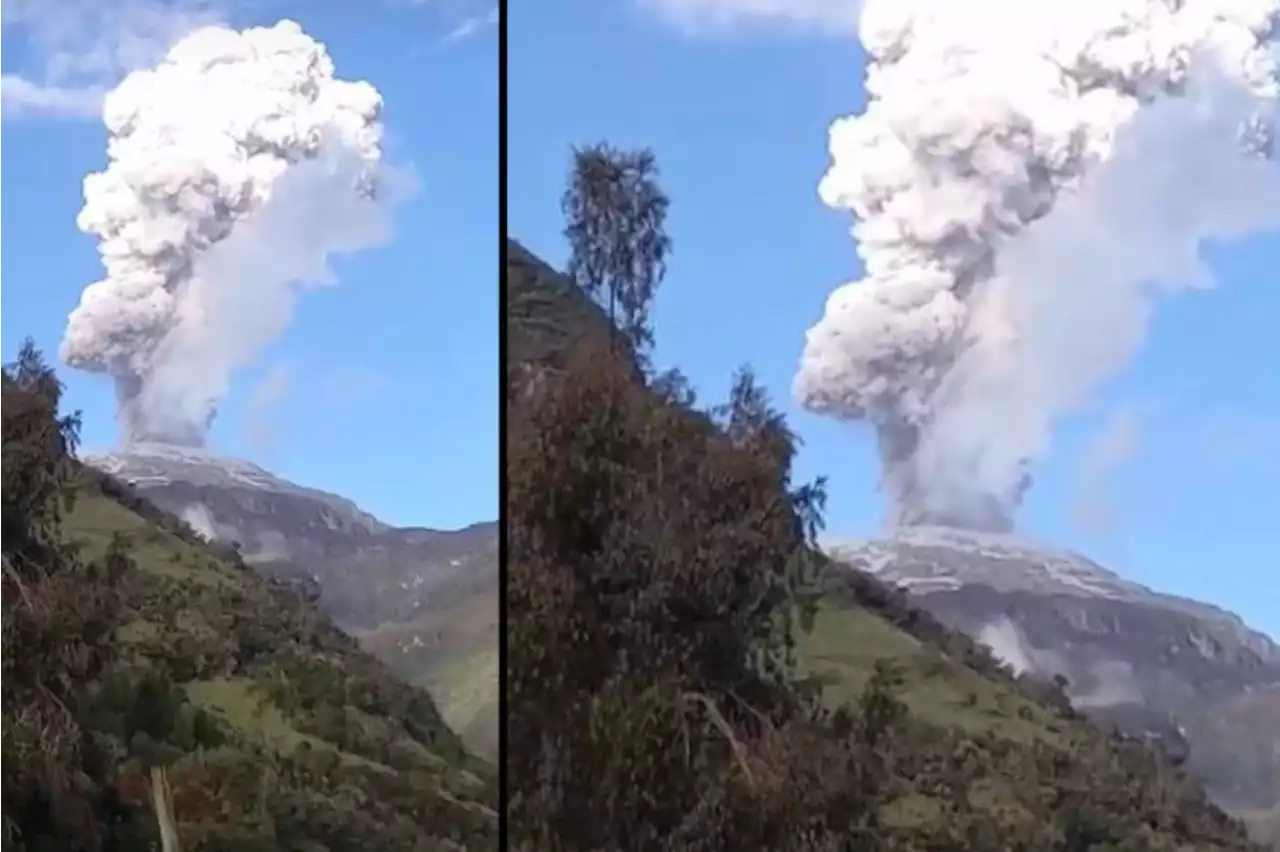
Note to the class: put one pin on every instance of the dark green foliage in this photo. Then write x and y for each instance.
(57, 612)
(38, 482)
(652, 552)
(130, 644)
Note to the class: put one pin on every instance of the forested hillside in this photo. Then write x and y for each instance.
(154, 684)
(686, 671)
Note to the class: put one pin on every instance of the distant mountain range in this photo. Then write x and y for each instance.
(425, 601)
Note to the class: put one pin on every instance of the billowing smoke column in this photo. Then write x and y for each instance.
(1026, 176)
(238, 166)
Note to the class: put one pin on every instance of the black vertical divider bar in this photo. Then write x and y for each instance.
(502, 421)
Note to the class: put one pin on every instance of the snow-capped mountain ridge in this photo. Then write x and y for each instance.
(926, 560)
(363, 567)
(149, 466)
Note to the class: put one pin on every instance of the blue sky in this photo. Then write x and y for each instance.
(385, 388)
(738, 119)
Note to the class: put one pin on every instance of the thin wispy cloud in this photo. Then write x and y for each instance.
(23, 97)
(471, 26)
(1095, 510)
(264, 400)
(78, 50)
(721, 17)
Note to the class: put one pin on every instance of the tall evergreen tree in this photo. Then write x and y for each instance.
(615, 221)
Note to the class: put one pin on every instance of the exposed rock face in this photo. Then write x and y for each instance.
(1188, 674)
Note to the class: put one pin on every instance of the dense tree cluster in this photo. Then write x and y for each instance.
(57, 610)
(652, 557)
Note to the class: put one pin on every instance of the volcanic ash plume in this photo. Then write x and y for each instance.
(238, 166)
(1026, 176)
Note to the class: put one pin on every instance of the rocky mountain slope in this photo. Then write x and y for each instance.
(425, 601)
(1153, 664)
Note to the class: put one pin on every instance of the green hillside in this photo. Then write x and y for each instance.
(131, 646)
(1025, 730)
(450, 648)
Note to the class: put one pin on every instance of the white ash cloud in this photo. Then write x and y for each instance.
(238, 168)
(1028, 176)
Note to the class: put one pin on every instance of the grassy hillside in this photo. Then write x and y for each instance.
(846, 642)
(948, 679)
(948, 683)
(424, 601)
(291, 700)
(450, 648)
(130, 646)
